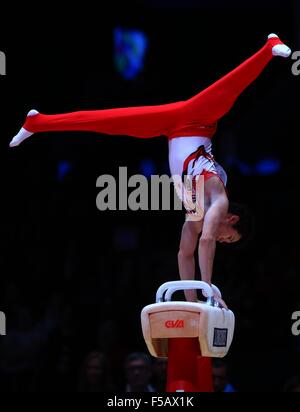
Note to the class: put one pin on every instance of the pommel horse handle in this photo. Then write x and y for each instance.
(181, 285)
(169, 288)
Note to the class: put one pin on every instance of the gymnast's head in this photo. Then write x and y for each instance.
(238, 225)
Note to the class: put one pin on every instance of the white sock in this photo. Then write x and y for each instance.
(280, 49)
(20, 137)
(272, 35)
(23, 133)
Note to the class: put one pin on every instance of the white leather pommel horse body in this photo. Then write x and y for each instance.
(212, 325)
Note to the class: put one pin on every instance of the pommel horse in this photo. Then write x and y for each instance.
(188, 334)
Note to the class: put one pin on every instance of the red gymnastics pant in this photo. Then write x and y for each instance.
(196, 116)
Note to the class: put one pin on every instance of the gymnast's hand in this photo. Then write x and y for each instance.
(217, 297)
(220, 301)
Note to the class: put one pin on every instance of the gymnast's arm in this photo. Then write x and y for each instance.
(186, 261)
(207, 243)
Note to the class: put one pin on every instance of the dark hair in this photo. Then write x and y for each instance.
(245, 225)
(105, 383)
(138, 356)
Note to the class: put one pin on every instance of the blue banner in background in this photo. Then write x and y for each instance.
(130, 48)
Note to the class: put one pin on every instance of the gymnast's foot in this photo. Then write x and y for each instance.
(23, 133)
(278, 49)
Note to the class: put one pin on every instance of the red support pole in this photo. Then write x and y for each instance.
(204, 368)
(188, 371)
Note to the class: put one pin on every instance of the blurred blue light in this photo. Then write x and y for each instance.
(130, 47)
(267, 166)
(63, 169)
(263, 167)
(147, 167)
(244, 167)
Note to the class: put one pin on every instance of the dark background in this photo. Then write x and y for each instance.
(80, 277)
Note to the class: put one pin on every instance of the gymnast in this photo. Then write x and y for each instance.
(189, 126)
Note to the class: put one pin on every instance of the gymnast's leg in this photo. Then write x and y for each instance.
(142, 122)
(150, 121)
(214, 102)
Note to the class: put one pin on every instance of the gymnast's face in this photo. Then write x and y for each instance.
(226, 232)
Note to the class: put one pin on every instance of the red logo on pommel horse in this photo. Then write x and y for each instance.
(174, 323)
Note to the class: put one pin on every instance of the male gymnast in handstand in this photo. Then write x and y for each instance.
(189, 126)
